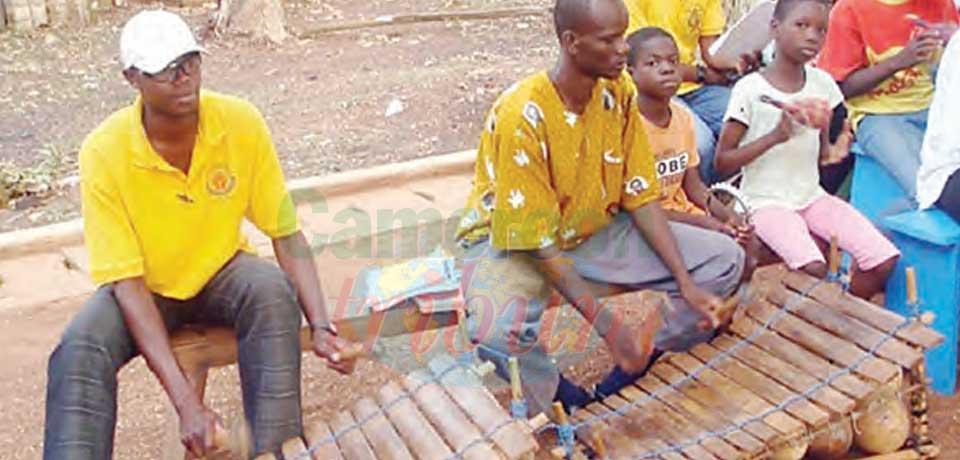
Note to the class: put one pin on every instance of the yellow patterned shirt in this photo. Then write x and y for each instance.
(545, 176)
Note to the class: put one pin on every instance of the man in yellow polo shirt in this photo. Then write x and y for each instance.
(165, 185)
(695, 25)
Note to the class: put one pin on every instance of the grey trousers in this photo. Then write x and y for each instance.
(249, 294)
(506, 296)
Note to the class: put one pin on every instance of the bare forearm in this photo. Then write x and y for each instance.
(697, 194)
(731, 160)
(296, 260)
(695, 189)
(559, 271)
(865, 80)
(684, 218)
(652, 224)
(688, 72)
(825, 145)
(150, 334)
(709, 59)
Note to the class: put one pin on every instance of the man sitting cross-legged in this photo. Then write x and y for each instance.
(565, 193)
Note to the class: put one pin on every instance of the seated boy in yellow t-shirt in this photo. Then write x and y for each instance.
(654, 65)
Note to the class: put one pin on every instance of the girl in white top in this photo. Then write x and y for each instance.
(776, 132)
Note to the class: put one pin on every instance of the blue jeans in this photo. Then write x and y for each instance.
(895, 141)
(709, 105)
(249, 294)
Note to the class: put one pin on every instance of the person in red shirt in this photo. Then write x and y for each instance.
(883, 54)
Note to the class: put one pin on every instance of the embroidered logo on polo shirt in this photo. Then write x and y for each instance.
(220, 181)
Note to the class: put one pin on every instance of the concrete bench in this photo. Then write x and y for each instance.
(930, 242)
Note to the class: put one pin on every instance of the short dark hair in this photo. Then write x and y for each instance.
(566, 13)
(784, 7)
(639, 38)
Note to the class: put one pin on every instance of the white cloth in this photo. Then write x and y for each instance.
(786, 175)
(152, 39)
(940, 154)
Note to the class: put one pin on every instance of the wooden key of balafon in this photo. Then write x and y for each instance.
(834, 260)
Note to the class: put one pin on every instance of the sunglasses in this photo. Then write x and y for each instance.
(187, 64)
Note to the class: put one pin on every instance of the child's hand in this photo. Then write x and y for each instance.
(840, 149)
(707, 304)
(744, 234)
(813, 112)
(712, 223)
(749, 62)
(714, 77)
(786, 128)
(920, 48)
(945, 29)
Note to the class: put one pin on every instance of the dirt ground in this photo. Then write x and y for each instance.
(325, 100)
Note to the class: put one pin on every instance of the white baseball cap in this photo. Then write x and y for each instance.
(152, 39)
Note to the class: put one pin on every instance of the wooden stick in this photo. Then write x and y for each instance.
(834, 256)
(397, 19)
(559, 413)
(515, 386)
(598, 446)
(911, 286)
(464, 334)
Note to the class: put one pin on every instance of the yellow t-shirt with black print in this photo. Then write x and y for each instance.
(545, 176)
(686, 20)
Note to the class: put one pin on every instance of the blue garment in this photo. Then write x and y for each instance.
(709, 104)
(895, 141)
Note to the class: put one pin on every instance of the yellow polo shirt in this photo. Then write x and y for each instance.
(687, 20)
(144, 217)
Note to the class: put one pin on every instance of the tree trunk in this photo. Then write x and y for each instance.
(259, 18)
(69, 12)
(25, 14)
(30, 14)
